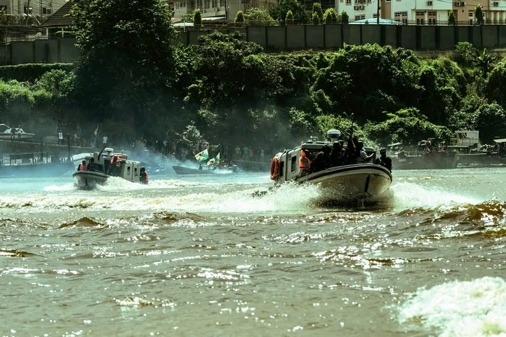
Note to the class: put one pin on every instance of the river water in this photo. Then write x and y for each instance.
(202, 256)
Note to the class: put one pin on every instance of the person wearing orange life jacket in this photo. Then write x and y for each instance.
(82, 166)
(304, 163)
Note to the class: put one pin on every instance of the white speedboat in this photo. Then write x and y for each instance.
(100, 166)
(344, 182)
(8, 133)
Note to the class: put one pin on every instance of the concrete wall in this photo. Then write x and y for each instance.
(291, 37)
(447, 37)
(315, 36)
(333, 38)
(295, 37)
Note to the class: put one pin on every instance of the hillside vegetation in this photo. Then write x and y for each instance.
(133, 83)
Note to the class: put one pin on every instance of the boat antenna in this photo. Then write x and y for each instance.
(102, 151)
(352, 122)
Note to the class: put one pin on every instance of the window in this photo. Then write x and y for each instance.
(432, 16)
(293, 164)
(401, 17)
(46, 10)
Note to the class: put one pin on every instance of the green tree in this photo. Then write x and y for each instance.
(257, 16)
(491, 122)
(289, 17)
(477, 63)
(315, 18)
(451, 18)
(317, 8)
(126, 58)
(441, 89)
(280, 10)
(345, 19)
(494, 90)
(407, 126)
(368, 80)
(239, 17)
(197, 18)
(235, 87)
(478, 14)
(330, 16)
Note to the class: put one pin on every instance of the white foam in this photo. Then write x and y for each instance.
(410, 195)
(466, 309)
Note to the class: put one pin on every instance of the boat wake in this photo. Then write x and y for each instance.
(409, 195)
(467, 309)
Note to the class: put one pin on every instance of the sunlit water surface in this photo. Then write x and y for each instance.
(204, 256)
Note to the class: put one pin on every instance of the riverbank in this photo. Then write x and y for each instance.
(37, 150)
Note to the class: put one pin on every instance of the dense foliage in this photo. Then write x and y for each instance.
(126, 60)
(134, 82)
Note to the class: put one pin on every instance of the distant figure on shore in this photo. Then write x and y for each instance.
(13, 133)
(60, 137)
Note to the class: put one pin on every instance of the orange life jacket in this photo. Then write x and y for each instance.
(304, 161)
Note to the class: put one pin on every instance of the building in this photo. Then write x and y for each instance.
(214, 10)
(359, 9)
(493, 11)
(421, 12)
(424, 12)
(30, 7)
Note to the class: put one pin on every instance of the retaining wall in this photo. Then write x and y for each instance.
(290, 38)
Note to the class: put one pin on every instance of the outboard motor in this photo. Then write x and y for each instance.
(333, 135)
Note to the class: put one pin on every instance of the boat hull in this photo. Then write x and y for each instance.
(351, 182)
(88, 180)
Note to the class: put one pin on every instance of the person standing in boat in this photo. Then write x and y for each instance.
(322, 159)
(363, 157)
(82, 166)
(336, 155)
(304, 163)
(384, 160)
(91, 165)
(144, 176)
